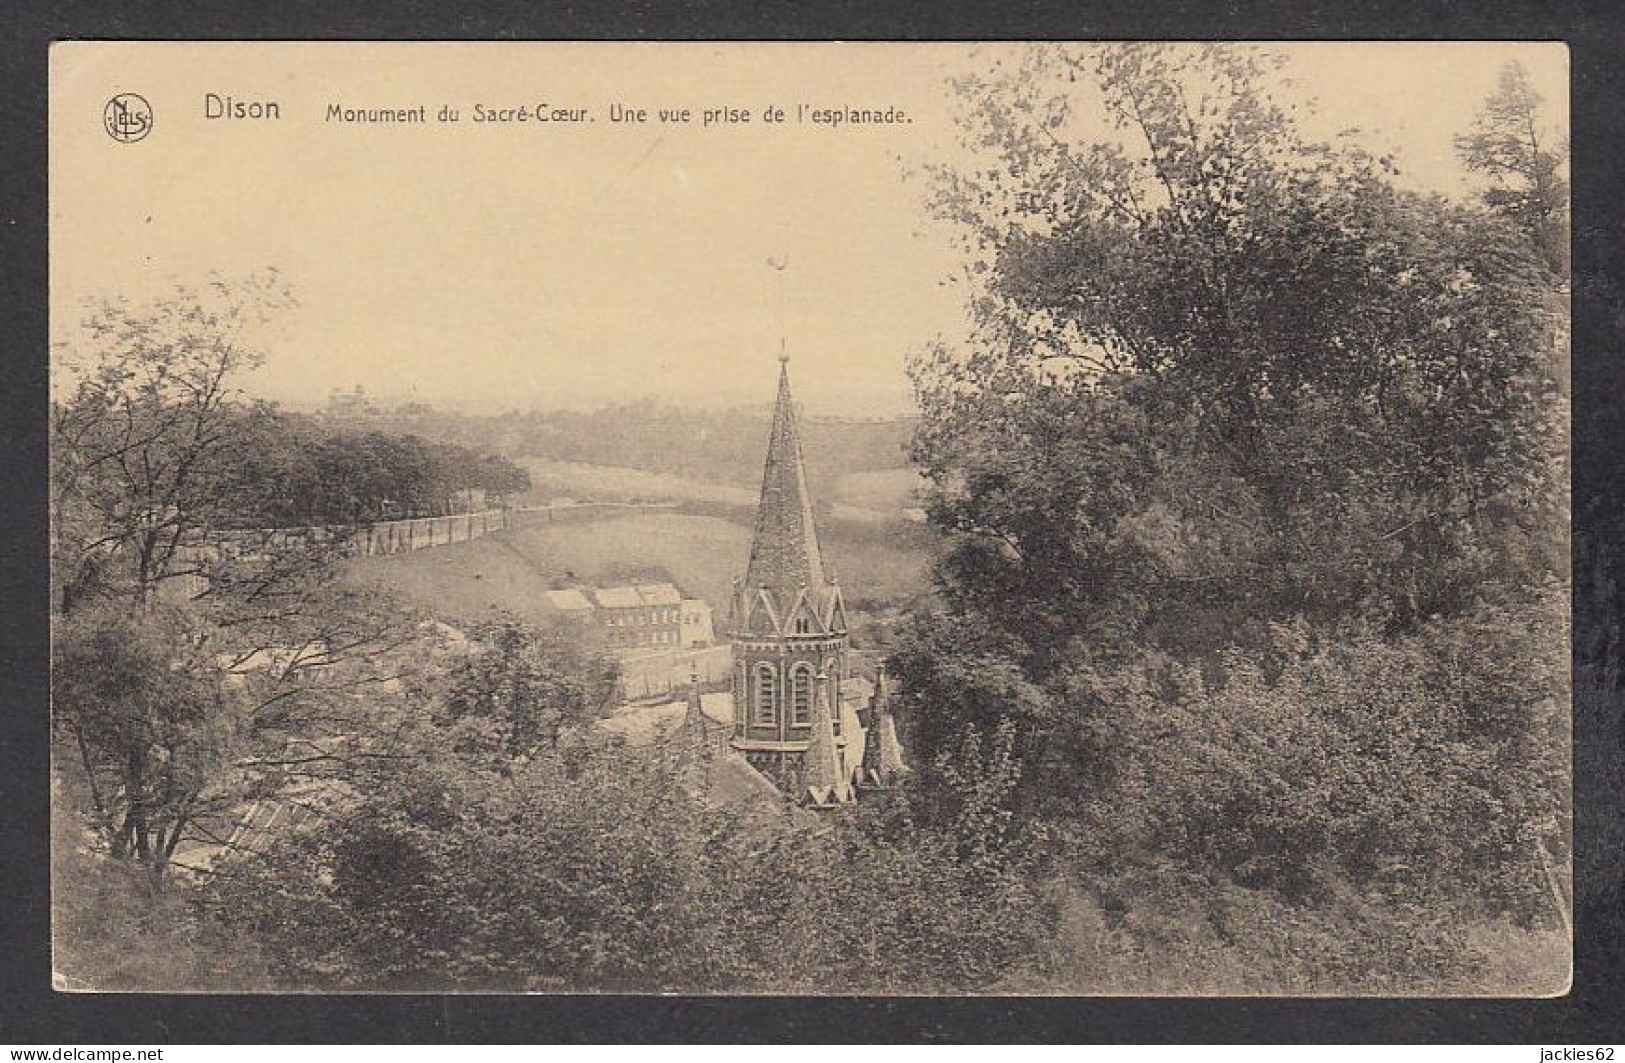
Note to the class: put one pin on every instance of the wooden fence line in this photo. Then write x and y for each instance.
(420, 533)
(417, 533)
(381, 538)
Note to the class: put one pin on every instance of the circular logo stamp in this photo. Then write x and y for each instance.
(127, 117)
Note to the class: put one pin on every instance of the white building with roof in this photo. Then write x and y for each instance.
(698, 629)
(573, 604)
(640, 616)
(636, 616)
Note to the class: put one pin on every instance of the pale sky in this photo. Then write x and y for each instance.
(514, 265)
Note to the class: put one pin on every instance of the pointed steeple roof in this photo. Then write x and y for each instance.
(882, 752)
(695, 726)
(784, 553)
(821, 781)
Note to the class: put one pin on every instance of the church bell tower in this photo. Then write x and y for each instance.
(789, 632)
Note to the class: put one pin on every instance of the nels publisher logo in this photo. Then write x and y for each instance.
(127, 117)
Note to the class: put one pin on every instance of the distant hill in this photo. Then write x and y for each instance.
(716, 446)
(871, 497)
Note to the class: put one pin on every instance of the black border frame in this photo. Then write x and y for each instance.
(30, 1011)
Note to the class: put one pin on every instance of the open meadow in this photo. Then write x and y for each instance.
(872, 497)
(508, 571)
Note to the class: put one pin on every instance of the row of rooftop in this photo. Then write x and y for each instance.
(638, 615)
(630, 596)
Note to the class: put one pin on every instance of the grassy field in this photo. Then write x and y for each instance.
(887, 490)
(701, 554)
(616, 483)
(463, 582)
(871, 497)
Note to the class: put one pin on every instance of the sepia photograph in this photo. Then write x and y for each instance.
(816, 519)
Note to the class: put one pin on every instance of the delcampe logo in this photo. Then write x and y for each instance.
(128, 117)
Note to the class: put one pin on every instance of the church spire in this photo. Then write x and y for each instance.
(784, 553)
(788, 623)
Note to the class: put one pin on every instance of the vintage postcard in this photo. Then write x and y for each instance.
(852, 519)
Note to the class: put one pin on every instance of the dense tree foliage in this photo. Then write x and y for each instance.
(720, 446)
(520, 693)
(156, 449)
(302, 471)
(1247, 672)
(1511, 149)
(151, 725)
(589, 866)
(195, 663)
(112, 924)
(1256, 470)
(151, 430)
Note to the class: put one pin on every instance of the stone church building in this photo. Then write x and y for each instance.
(799, 716)
(796, 721)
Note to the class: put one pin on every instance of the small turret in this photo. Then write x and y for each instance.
(882, 752)
(822, 783)
(695, 726)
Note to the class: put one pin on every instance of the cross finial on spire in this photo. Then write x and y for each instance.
(779, 264)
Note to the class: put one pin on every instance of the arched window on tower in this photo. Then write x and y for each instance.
(767, 710)
(801, 695)
(802, 625)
